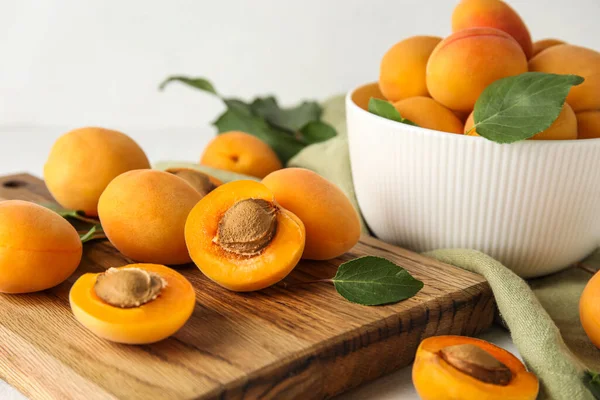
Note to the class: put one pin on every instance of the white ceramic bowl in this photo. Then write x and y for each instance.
(533, 205)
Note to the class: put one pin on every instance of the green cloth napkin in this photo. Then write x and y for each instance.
(541, 314)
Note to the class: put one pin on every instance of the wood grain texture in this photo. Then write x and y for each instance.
(299, 342)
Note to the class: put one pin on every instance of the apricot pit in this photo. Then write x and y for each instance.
(203, 183)
(128, 287)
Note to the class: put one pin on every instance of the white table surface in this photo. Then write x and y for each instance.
(25, 148)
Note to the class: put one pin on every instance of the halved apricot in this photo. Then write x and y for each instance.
(459, 367)
(240, 238)
(200, 181)
(157, 308)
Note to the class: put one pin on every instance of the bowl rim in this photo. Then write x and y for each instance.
(448, 135)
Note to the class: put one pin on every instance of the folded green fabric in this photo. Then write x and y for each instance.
(542, 314)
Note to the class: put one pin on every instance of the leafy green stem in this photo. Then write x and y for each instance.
(95, 233)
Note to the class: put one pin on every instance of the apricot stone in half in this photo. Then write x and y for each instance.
(38, 248)
(240, 238)
(459, 367)
(134, 304)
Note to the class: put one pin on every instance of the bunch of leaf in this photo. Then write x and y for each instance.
(510, 109)
(286, 130)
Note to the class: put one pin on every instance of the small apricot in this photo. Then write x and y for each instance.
(458, 367)
(240, 238)
(569, 59)
(402, 70)
(466, 62)
(492, 14)
(200, 181)
(428, 113)
(39, 248)
(543, 44)
(242, 153)
(588, 124)
(134, 304)
(143, 213)
(563, 128)
(589, 309)
(332, 224)
(82, 162)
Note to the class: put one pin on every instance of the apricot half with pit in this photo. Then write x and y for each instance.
(240, 238)
(458, 367)
(134, 304)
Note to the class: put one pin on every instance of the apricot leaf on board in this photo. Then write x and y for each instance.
(519, 107)
(387, 110)
(592, 381)
(286, 130)
(373, 281)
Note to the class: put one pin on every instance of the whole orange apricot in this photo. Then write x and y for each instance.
(459, 367)
(162, 300)
(569, 59)
(563, 128)
(492, 14)
(39, 250)
(242, 153)
(589, 309)
(143, 213)
(467, 61)
(588, 124)
(332, 224)
(428, 113)
(543, 44)
(402, 70)
(82, 162)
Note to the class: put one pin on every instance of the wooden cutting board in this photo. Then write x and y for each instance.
(304, 342)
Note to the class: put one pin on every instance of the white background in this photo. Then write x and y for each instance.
(70, 63)
(66, 64)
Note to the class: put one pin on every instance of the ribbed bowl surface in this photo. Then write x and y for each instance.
(533, 205)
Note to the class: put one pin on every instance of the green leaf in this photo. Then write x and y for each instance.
(592, 381)
(518, 107)
(387, 110)
(96, 232)
(69, 214)
(236, 118)
(289, 119)
(197, 83)
(374, 281)
(317, 131)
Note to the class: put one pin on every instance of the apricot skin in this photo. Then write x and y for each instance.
(589, 309)
(233, 271)
(242, 153)
(435, 379)
(467, 61)
(332, 224)
(149, 323)
(569, 59)
(588, 124)
(543, 44)
(39, 248)
(428, 113)
(143, 213)
(402, 70)
(492, 14)
(82, 162)
(563, 128)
